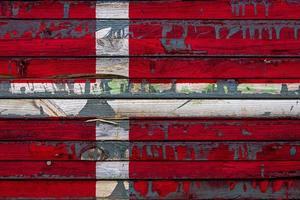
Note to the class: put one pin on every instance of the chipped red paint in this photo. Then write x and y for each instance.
(214, 129)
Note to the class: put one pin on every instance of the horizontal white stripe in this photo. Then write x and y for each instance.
(124, 108)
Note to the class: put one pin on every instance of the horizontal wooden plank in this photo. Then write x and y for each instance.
(47, 9)
(213, 38)
(136, 170)
(149, 130)
(145, 88)
(159, 151)
(206, 170)
(176, 9)
(149, 37)
(208, 69)
(152, 189)
(48, 189)
(131, 108)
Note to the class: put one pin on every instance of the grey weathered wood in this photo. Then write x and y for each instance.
(144, 88)
(108, 109)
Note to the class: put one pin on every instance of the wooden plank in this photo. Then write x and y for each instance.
(192, 129)
(205, 170)
(213, 129)
(135, 170)
(131, 108)
(147, 151)
(47, 9)
(152, 189)
(145, 88)
(149, 37)
(214, 189)
(176, 9)
(208, 69)
(215, 9)
(47, 189)
(214, 37)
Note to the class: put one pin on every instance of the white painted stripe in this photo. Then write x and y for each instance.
(152, 108)
(108, 44)
(112, 189)
(112, 10)
(112, 170)
(115, 66)
(106, 131)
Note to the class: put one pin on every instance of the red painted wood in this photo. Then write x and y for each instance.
(46, 67)
(213, 170)
(179, 151)
(174, 9)
(215, 9)
(47, 129)
(214, 151)
(214, 129)
(47, 189)
(216, 189)
(208, 69)
(215, 37)
(47, 37)
(215, 68)
(47, 170)
(47, 9)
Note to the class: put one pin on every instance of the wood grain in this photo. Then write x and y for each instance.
(207, 69)
(145, 88)
(70, 170)
(121, 108)
(149, 38)
(147, 151)
(153, 189)
(193, 129)
(179, 9)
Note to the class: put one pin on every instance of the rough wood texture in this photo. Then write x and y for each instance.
(150, 130)
(111, 170)
(125, 108)
(145, 88)
(147, 151)
(149, 37)
(263, 70)
(175, 9)
(153, 189)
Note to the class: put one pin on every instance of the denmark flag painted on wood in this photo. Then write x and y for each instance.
(117, 151)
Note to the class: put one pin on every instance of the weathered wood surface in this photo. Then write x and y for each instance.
(153, 189)
(111, 170)
(131, 108)
(149, 37)
(62, 129)
(207, 69)
(156, 189)
(145, 88)
(147, 151)
(175, 9)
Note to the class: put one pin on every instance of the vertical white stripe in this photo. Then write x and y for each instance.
(112, 170)
(106, 189)
(112, 10)
(107, 131)
(115, 66)
(112, 35)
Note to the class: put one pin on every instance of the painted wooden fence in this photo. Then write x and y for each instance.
(166, 99)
